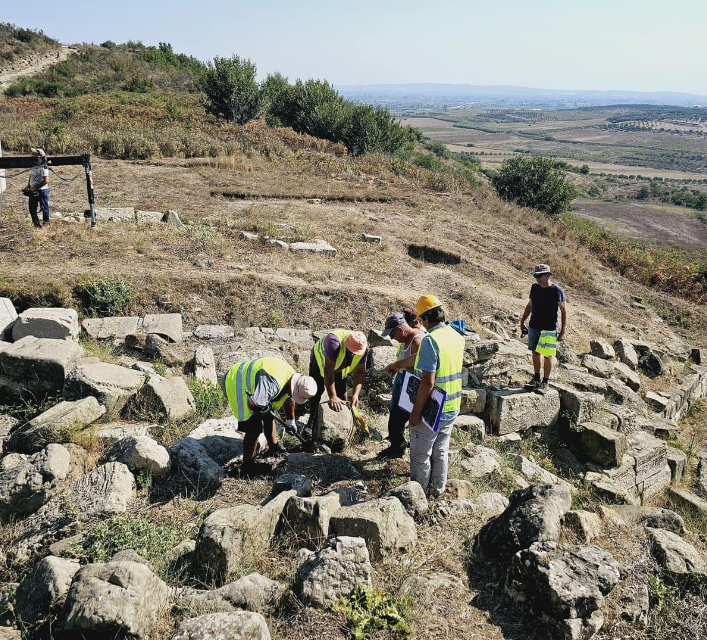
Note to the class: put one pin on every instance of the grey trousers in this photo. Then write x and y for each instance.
(429, 455)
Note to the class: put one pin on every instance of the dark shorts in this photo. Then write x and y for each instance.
(533, 337)
(256, 424)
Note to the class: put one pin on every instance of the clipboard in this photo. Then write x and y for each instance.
(432, 412)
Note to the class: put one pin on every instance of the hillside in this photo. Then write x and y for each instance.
(236, 291)
(17, 44)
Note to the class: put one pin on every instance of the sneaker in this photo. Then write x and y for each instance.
(542, 388)
(533, 384)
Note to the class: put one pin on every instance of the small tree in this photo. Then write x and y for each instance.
(231, 89)
(584, 169)
(534, 182)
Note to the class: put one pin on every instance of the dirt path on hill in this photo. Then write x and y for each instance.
(7, 79)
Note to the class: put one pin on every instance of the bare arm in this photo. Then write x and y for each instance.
(526, 313)
(334, 402)
(563, 315)
(408, 362)
(359, 376)
(423, 395)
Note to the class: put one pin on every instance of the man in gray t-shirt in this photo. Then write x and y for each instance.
(38, 185)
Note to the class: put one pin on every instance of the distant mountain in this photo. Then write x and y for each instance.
(504, 94)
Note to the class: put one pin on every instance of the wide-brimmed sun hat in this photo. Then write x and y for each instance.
(541, 270)
(356, 343)
(303, 388)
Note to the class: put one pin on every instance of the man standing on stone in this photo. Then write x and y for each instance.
(546, 298)
(38, 186)
(439, 363)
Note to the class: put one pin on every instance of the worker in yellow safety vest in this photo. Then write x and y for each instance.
(254, 389)
(334, 357)
(438, 363)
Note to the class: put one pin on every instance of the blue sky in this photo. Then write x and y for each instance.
(570, 44)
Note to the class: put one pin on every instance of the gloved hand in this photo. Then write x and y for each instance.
(291, 427)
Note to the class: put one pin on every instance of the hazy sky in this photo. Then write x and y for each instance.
(645, 45)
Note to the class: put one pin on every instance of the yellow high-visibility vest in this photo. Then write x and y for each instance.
(547, 344)
(341, 334)
(240, 381)
(448, 376)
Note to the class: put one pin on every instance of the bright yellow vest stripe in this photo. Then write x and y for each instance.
(240, 381)
(341, 334)
(547, 344)
(449, 369)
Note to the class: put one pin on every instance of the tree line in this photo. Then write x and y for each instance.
(312, 107)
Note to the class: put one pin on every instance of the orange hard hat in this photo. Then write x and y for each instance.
(427, 302)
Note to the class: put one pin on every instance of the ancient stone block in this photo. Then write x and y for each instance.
(598, 444)
(166, 325)
(57, 324)
(110, 384)
(512, 410)
(473, 401)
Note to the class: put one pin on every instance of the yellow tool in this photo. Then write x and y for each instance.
(362, 425)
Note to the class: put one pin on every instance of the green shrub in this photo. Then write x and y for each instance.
(231, 89)
(534, 182)
(209, 398)
(367, 610)
(151, 540)
(107, 296)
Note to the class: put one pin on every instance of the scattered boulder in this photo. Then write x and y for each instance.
(252, 592)
(473, 401)
(103, 492)
(648, 361)
(584, 524)
(28, 482)
(302, 485)
(654, 517)
(424, 589)
(627, 376)
(677, 556)
(533, 515)
(379, 358)
(677, 461)
(602, 349)
(383, 523)
(566, 584)
(657, 402)
(598, 444)
(8, 315)
(38, 365)
(318, 246)
(148, 217)
(481, 462)
(166, 325)
(169, 397)
(473, 425)
(578, 406)
(635, 605)
(193, 463)
(204, 365)
(702, 475)
(214, 332)
(57, 324)
(511, 410)
(111, 328)
(308, 518)
(412, 497)
(116, 598)
(598, 366)
(220, 438)
(230, 535)
(55, 424)
(172, 218)
(689, 500)
(140, 454)
(334, 428)
(332, 573)
(459, 489)
(111, 384)
(533, 472)
(129, 555)
(626, 353)
(43, 591)
(238, 625)
(171, 353)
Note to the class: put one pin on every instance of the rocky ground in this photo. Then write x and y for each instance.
(575, 514)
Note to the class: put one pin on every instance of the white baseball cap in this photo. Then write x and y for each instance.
(303, 388)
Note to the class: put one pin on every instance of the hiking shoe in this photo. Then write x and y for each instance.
(276, 451)
(391, 453)
(532, 385)
(252, 468)
(542, 388)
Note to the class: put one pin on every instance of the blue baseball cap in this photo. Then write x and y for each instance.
(393, 321)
